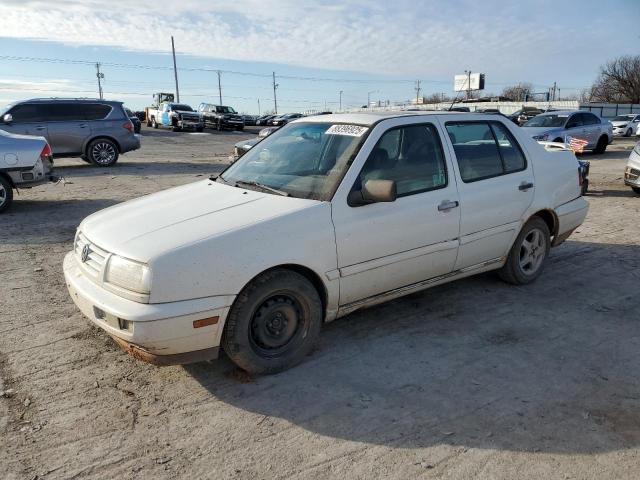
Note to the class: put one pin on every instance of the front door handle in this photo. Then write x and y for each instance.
(41, 128)
(524, 186)
(448, 205)
(83, 125)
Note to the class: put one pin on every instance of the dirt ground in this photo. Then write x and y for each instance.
(475, 379)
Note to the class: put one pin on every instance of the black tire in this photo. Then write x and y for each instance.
(219, 126)
(585, 187)
(176, 129)
(628, 133)
(102, 152)
(6, 194)
(636, 190)
(199, 129)
(515, 270)
(602, 145)
(274, 323)
(84, 158)
(154, 124)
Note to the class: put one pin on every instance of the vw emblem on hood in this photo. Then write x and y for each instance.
(86, 250)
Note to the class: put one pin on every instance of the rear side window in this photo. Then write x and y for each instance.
(95, 111)
(589, 119)
(60, 112)
(28, 112)
(484, 150)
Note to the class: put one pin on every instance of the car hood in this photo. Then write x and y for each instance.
(619, 123)
(150, 226)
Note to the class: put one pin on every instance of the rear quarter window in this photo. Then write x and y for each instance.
(96, 111)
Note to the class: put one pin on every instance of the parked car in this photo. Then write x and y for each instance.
(632, 170)
(220, 117)
(522, 116)
(557, 126)
(244, 146)
(249, 120)
(25, 161)
(264, 119)
(327, 215)
(284, 119)
(177, 116)
(625, 125)
(98, 131)
(137, 124)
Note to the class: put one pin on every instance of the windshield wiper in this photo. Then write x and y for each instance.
(263, 187)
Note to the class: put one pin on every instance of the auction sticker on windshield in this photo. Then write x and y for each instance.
(350, 130)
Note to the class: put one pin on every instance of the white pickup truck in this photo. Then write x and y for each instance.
(325, 216)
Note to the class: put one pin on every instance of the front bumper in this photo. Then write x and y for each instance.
(162, 333)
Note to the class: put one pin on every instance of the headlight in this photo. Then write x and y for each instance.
(128, 274)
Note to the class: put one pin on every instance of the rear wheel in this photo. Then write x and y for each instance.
(274, 323)
(6, 194)
(636, 190)
(102, 152)
(154, 124)
(528, 253)
(601, 146)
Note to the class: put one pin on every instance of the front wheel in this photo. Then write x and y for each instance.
(601, 146)
(636, 190)
(585, 187)
(274, 323)
(528, 253)
(628, 133)
(6, 194)
(102, 152)
(154, 124)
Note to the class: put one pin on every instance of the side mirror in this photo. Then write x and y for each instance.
(374, 191)
(8, 118)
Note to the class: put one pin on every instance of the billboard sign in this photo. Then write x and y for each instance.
(472, 81)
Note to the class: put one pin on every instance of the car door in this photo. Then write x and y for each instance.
(68, 127)
(496, 187)
(27, 119)
(386, 246)
(575, 128)
(164, 116)
(591, 128)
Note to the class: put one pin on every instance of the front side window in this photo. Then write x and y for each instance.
(484, 150)
(590, 119)
(181, 107)
(411, 156)
(547, 121)
(60, 112)
(302, 160)
(28, 112)
(225, 110)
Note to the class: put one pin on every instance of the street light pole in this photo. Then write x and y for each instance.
(100, 76)
(175, 69)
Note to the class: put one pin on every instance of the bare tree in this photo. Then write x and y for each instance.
(619, 81)
(517, 92)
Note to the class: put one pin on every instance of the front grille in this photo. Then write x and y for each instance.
(96, 257)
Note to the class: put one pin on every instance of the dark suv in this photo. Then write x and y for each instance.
(220, 117)
(98, 131)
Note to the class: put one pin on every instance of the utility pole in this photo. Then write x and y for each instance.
(340, 100)
(100, 76)
(275, 100)
(219, 88)
(554, 91)
(468, 72)
(258, 107)
(175, 69)
(417, 88)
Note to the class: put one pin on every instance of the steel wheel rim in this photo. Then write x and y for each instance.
(3, 195)
(532, 251)
(278, 325)
(103, 152)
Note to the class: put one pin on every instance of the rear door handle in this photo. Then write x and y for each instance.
(83, 125)
(41, 128)
(448, 205)
(524, 186)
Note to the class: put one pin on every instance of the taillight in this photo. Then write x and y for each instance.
(128, 126)
(46, 151)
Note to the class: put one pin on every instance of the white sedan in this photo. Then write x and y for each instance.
(625, 125)
(327, 215)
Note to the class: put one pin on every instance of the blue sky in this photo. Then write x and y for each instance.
(316, 49)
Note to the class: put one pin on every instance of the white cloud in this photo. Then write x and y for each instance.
(403, 37)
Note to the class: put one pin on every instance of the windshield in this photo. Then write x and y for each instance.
(225, 110)
(180, 106)
(303, 160)
(622, 118)
(6, 108)
(547, 121)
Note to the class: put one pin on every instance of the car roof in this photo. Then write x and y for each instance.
(561, 112)
(70, 99)
(371, 118)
